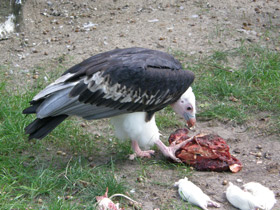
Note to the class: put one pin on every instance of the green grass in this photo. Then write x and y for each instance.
(33, 175)
(236, 93)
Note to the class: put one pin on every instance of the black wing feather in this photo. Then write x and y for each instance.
(141, 71)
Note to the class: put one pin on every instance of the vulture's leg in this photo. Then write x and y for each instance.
(169, 152)
(138, 152)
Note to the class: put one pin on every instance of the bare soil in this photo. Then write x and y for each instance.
(67, 32)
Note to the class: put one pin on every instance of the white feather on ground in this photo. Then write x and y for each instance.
(193, 194)
(241, 199)
(263, 194)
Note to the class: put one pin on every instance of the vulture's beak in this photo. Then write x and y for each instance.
(190, 119)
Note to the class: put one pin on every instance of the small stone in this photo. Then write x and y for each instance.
(90, 158)
(267, 156)
(225, 182)
(139, 179)
(92, 165)
(257, 10)
(232, 98)
(63, 153)
(258, 154)
(59, 152)
(45, 53)
(161, 38)
(36, 76)
(239, 180)
(259, 146)
(83, 125)
(237, 151)
(68, 197)
(40, 201)
(75, 153)
(267, 39)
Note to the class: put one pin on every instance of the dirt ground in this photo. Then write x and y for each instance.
(70, 31)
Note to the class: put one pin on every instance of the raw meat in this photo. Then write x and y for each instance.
(205, 152)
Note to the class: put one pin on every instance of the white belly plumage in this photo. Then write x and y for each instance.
(134, 126)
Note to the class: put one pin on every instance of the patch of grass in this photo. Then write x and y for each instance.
(236, 93)
(32, 175)
(75, 185)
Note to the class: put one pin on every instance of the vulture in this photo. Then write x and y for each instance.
(127, 85)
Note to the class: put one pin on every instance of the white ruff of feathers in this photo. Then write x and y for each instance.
(133, 126)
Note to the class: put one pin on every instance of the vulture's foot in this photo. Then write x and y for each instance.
(139, 153)
(169, 152)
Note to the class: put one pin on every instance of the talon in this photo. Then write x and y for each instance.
(139, 153)
(170, 151)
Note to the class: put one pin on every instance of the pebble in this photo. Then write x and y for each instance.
(68, 197)
(36, 76)
(258, 154)
(59, 152)
(140, 179)
(267, 156)
(225, 182)
(259, 146)
(239, 180)
(153, 20)
(40, 201)
(194, 16)
(237, 151)
(49, 3)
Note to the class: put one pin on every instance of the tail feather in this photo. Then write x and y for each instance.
(31, 110)
(39, 128)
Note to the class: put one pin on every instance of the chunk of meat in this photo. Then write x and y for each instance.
(205, 152)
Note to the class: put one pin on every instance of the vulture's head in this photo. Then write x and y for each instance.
(185, 107)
